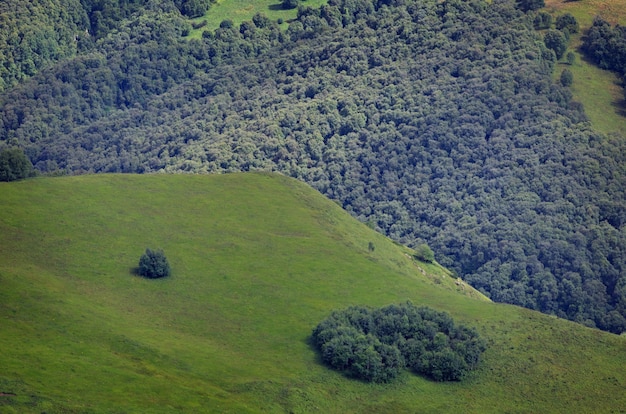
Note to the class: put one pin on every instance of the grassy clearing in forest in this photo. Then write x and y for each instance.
(257, 261)
(599, 90)
(242, 10)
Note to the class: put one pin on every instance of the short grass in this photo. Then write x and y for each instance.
(600, 91)
(258, 260)
(242, 10)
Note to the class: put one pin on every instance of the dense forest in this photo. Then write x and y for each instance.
(36, 34)
(434, 122)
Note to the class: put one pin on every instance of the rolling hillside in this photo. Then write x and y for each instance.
(435, 122)
(257, 260)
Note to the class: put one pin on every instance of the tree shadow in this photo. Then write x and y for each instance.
(619, 105)
(311, 344)
(276, 7)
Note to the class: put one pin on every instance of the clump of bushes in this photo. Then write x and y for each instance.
(375, 345)
(14, 165)
(153, 264)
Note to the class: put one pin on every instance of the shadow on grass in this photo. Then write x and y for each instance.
(134, 271)
(619, 105)
(318, 355)
(276, 7)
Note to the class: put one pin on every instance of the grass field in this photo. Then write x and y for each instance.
(242, 10)
(599, 90)
(258, 260)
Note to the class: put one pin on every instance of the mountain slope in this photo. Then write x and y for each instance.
(258, 260)
(434, 121)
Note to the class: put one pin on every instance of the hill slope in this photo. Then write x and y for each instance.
(258, 260)
(434, 121)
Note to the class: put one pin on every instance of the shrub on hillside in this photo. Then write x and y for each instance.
(424, 253)
(153, 264)
(376, 344)
(567, 22)
(289, 4)
(567, 78)
(556, 41)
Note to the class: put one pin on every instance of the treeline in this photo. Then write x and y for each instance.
(606, 46)
(435, 122)
(375, 345)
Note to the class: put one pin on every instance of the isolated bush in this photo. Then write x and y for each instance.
(571, 58)
(289, 4)
(567, 78)
(153, 264)
(376, 344)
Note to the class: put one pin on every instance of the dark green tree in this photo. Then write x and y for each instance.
(529, 5)
(571, 58)
(446, 365)
(543, 20)
(194, 8)
(556, 40)
(14, 165)
(153, 264)
(567, 78)
(289, 4)
(567, 22)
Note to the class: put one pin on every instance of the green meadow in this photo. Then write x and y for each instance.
(257, 261)
(600, 91)
(242, 10)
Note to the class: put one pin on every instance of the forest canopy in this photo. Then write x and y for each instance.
(437, 122)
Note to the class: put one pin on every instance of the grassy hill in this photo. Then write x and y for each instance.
(257, 260)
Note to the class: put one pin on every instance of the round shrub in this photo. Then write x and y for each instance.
(153, 264)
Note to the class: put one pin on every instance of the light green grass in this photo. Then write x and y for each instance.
(600, 91)
(243, 10)
(257, 260)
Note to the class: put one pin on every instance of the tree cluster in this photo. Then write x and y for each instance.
(375, 345)
(606, 46)
(14, 165)
(436, 122)
(193, 8)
